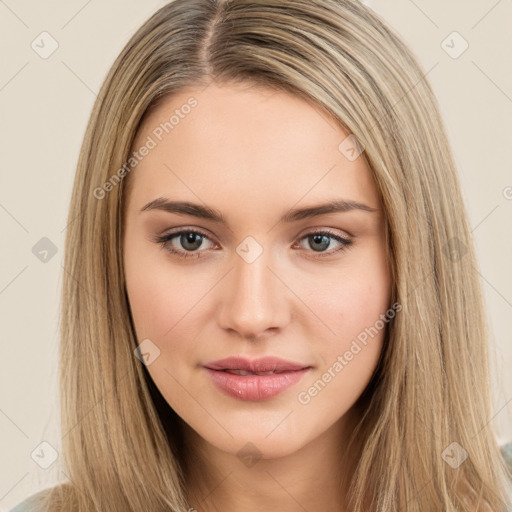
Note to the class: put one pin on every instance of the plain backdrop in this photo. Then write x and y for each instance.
(45, 104)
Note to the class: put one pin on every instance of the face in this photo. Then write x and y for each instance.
(255, 280)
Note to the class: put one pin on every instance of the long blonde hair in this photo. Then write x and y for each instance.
(121, 441)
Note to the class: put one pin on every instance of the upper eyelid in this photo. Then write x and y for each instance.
(309, 232)
(306, 230)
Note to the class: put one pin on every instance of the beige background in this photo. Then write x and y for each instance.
(45, 106)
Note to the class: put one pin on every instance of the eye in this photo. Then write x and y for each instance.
(190, 240)
(321, 240)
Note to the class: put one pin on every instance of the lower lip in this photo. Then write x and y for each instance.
(255, 387)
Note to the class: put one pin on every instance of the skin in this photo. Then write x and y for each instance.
(254, 153)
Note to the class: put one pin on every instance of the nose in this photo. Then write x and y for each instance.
(254, 299)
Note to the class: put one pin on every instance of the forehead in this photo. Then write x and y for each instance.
(236, 142)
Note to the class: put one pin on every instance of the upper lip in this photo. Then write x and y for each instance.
(264, 364)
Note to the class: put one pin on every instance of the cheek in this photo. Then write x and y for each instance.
(161, 308)
(163, 312)
(356, 310)
(353, 305)
(161, 299)
(352, 299)
(157, 299)
(149, 302)
(348, 310)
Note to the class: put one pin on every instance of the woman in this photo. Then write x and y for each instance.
(268, 187)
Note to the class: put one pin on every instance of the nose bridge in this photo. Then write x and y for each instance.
(253, 298)
(252, 280)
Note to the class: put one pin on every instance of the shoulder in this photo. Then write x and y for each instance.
(506, 451)
(32, 503)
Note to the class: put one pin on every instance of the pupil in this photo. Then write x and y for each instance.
(319, 239)
(191, 238)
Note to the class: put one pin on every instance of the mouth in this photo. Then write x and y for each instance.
(255, 386)
(245, 372)
(261, 366)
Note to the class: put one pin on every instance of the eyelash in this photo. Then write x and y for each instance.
(163, 240)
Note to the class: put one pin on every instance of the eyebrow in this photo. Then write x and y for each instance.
(293, 215)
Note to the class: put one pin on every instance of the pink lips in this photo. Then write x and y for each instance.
(253, 386)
